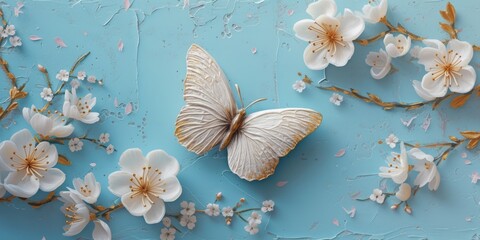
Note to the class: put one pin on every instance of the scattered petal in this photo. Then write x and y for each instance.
(290, 12)
(467, 162)
(254, 50)
(336, 99)
(60, 43)
(120, 46)
(340, 152)
(93, 164)
(475, 176)
(115, 102)
(35, 38)
(335, 222)
(126, 4)
(426, 122)
(128, 108)
(464, 155)
(282, 183)
(351, 212)
(408, 122)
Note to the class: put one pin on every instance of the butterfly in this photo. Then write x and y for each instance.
(211, 117)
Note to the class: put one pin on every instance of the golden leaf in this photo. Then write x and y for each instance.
(307, 80)
(451, 12)
(445, 155)
(453, 138)
(63, 160)
(100, 208)
(12, 106)
(445, 16)
(459, 101)
(473, 143)
(50, 197)
(375, 99)
(471, 134)
(13, 91)
(448, 29)
(1, 110)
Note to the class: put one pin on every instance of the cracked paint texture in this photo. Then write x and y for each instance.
(311, 186)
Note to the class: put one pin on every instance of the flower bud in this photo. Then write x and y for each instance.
(219, 196)
(408, 209)
(41, 68)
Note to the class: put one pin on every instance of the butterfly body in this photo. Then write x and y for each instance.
(254, 142)
(234, 126)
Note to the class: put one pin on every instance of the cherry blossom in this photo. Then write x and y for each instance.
(380, 63)
(299, 86)
(87, 189)
(188, 221)
(188, 208)
(267, 206)
(167, 233)
(75, 144)
(81, 75)
(110, 149)
(46, 94)
(80, 108)
(375, 10)
(391, 140)
(212, 209)
(104, 138)
(227, 212)
(63, 75)
(426, 168)
(397, 168)
(330, 37)
(336, 99)
(15, 41)
(397, 46)
(377, 196)
(47, 126)
(404, 192)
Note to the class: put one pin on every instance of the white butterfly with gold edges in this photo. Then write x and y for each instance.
(211, 117)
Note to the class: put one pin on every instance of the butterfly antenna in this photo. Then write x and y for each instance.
(256, 101)
(239, 94)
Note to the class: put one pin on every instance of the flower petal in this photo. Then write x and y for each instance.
(52, 179)
(7, 148)
(91, 118)
(351, 26)
(422, 92)
(302, 32)
(342, 55)
(41, 124)
(135, 204)
(156, 213)
(427, 56)
(172, 188)
(168, 165)
(435, 88)
(62, 131)
(46, 154)
(322, 7)
(420, 155)
(466, 81)
(464, 50)
(119, 183)
(101, 231)
(132, 161)
(435, 183)
(23, 138)
(315, 60)
(21, 185)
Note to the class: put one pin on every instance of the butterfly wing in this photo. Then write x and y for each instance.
(210, 106)
(266, 136)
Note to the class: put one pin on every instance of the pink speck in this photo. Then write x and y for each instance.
(126, 4)
(467, 162)
(128, 108)
(426, 122)
(282, 183)
(340, 152)
(464, 155)
(254, 50)
(475, 176)
(335, 222)
(60, 42)
(120, 45)
(290, 12)
(35, 38)
(115, 102)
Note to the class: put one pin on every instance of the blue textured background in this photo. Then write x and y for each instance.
(149, 74)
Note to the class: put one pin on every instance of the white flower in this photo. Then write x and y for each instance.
(78, 215)
(404, 192)
(422, 92)
(380, 63)
(336, 99)
(75, 83)
(299, 86)
(447, 67)
(145, 183)
(110, 149)
(426, 168)
(75, 144)
(397, 168)
(80, 108)
(397, 46)
(374, 11)
(212, 209)
(168, 234)
(87, 189)
(104, 138)
(415, 51)
(46, 94)
(377, 196)
(188, 221)
(30, 166)
(391, 140)
(3, 33)
(267, 206)
(167, 222)
(81, 75)
(255, 218)
(10, 30)
(330, 37)
(15, 41)
(188, 208)
(251, 228)
(47, 126)
(63, 75)
(227, 212)
(91, 79)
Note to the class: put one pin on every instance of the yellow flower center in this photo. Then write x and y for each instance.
(447, 67)
(31, 163)
(328, 37)
(148, 186)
